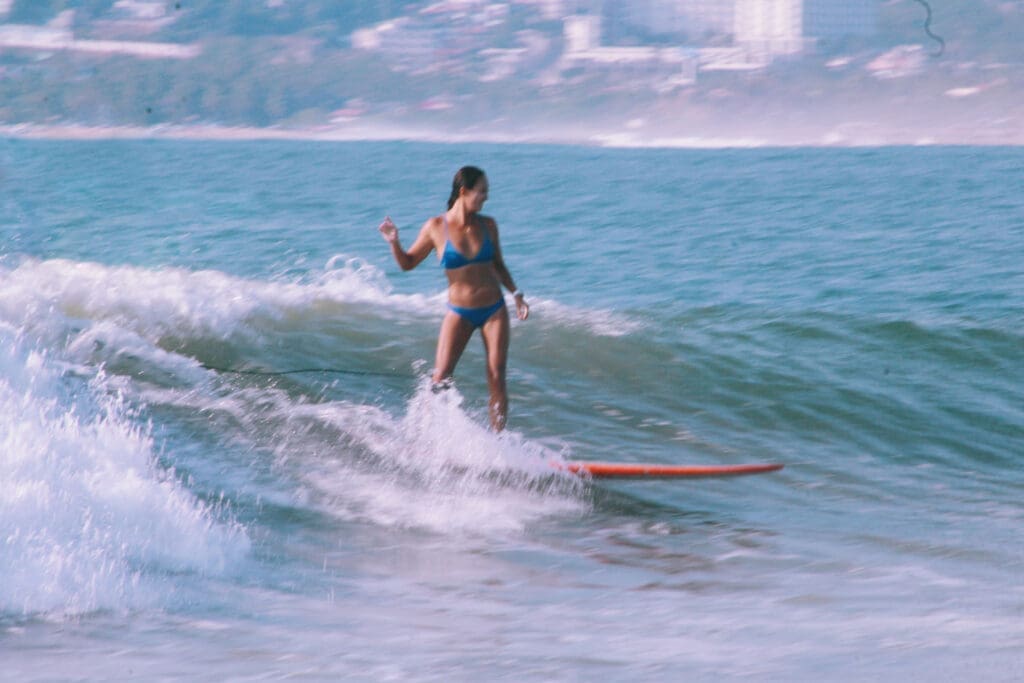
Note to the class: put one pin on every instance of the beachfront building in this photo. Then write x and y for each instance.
(582, 33)
(442, 37)
(766, 29)
(661, 68)
(721, 34)
(637, 41)
(58, 35)
(134, 18)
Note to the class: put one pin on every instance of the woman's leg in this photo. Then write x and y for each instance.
(451, 342)
(496, 333)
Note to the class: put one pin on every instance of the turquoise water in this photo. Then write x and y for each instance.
(856, 314)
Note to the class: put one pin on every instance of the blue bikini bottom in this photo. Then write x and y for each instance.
(478, 316)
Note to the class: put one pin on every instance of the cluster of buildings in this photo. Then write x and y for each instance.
(636, 45)
(130, 17)
(768, 27)
(672, 40)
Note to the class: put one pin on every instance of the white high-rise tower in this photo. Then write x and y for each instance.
(768, 28)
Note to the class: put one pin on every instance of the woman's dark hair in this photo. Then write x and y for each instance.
(466, 177)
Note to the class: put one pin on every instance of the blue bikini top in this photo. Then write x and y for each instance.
(451, 258)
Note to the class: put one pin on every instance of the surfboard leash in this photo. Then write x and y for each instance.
(296, 371)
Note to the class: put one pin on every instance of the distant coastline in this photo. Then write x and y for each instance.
(595, 137)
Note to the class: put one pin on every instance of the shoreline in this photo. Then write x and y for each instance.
(390, 132)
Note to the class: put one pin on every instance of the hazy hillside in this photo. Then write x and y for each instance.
(290, 64)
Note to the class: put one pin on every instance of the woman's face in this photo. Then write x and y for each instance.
(474, 198)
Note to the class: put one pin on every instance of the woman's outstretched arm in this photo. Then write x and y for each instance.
(420, 249)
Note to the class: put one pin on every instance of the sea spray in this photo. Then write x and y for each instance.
(88, 520)
(436, 467)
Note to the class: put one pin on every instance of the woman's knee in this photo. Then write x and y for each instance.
(496, 374)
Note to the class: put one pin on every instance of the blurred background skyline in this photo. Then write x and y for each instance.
(630, 72)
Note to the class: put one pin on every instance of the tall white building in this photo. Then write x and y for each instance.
(767, 28)
(731, 34)
(582, 33)
(775, 24)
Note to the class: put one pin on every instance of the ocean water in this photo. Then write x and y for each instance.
(856, 314)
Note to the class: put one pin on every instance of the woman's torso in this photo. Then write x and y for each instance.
(467, 255)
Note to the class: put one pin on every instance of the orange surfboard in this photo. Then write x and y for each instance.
(621, 470)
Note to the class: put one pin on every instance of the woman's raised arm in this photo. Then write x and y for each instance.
(420, 249)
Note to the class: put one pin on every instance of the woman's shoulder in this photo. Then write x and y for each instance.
(488, 222)
(434, 224)
(431, 231)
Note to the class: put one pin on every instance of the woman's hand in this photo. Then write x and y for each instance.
(522, 308)
(389, 230)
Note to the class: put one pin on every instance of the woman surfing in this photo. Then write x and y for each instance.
(470, 253)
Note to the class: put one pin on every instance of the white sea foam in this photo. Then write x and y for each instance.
(429, 465)
(603, 323)
(176, 301)
(441, 470)
(435, 467)
(88, 521)
(98, 312)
